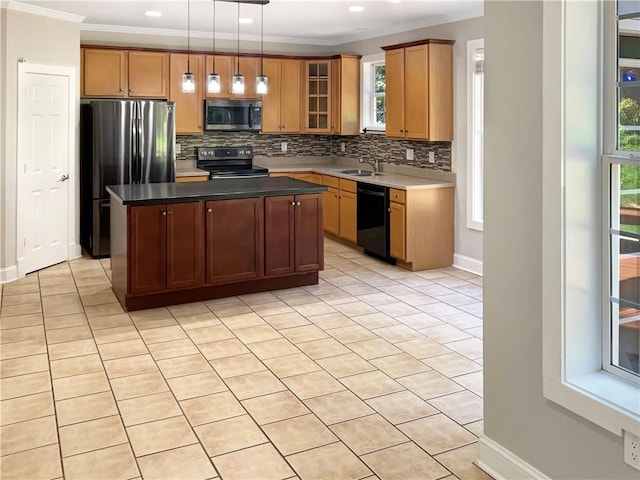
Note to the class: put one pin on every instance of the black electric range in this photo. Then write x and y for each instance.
(229, 162)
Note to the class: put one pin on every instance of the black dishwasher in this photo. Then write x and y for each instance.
(373, 220)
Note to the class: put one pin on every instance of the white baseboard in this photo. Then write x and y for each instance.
(74, 251)
(500, 463)
(469, 264)
(8, 274)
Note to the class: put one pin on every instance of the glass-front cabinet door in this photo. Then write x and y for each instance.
(317, 93)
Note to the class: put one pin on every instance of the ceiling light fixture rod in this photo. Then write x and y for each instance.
(238, 56)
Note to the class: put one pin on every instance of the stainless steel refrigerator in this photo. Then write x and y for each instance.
(122, 142)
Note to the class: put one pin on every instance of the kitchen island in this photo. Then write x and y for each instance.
(184, 242)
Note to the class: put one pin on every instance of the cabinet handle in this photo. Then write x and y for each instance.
(130, 91)
(336, 196)
(209, 210)
(395, 195)
(298, 203)
(293, 204)
(170, 212)
(164, 214)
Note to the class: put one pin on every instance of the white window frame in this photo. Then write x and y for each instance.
(475, 144)
(572, 219)
(368, 92)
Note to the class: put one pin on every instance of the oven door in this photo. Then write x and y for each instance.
(233, 115)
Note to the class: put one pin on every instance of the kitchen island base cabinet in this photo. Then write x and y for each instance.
(161, 243)
(293, 234)
(171, 253)
(233, 240)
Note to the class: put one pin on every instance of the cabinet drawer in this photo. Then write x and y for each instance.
(348, 185)
(399, 196)
(330, 181)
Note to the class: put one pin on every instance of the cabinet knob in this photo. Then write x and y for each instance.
(122, 89)
(169, 212)
(293, 204)
(336, 196)
(164, 214)
(130, 91)
(209, 210)
(395, 195)
(298, 203)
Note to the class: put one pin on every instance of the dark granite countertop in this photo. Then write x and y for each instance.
(219, 189)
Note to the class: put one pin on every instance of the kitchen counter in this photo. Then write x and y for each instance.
(387, 179)
(190, 172)
(156, 193)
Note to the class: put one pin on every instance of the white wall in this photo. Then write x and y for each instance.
(467, 242)
(553, 440)
(41, 40)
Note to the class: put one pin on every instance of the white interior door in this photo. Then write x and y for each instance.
(45, 153)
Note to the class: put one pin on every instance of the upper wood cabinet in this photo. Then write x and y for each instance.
(105, 73)
(317, 96)
(419, 95)
(281, 106)
(345, 95)
(120, 73)
(224, 69)
(189, 115)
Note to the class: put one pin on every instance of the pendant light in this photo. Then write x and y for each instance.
(188, 78)
(237, 81)
(213, 79)
(262, 82)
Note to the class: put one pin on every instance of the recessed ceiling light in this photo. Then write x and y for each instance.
(245, 21)
(356, 9)
(153, 13)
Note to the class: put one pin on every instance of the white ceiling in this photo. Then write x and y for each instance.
(320, 22)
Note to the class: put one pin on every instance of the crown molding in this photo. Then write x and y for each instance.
(94, 27)
(41, 11)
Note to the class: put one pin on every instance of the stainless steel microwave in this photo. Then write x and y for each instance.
(232, 115)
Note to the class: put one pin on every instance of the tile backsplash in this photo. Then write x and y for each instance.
(368, 146)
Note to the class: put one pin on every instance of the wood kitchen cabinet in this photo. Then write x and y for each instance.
(421, 227)
(419, 93)
(281, 106)
(293, 234)
(189, 115)
(317, 96)
(345, 95)
(121, 73)
(234, 246)
(162, 241)
(340, 207)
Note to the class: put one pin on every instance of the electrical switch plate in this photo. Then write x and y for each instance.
(632, 449)
(342, 146)
(178, 148)
(432, 157)
(283, 146)
(409, 153)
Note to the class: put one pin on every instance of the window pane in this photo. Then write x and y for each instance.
(628, 76)
(379, 111)
(380, 79)
(625, 262)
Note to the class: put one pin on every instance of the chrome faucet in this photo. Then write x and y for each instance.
(374, 163)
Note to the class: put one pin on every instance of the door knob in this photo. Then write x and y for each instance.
(63, 178)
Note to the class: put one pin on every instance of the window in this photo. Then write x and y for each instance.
(475, 129)
(622, 171)
(374, 86)
(582, 191)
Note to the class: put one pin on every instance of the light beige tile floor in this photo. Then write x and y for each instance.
(375, 372)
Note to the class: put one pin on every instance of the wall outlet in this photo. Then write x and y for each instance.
(432, 157)
(632, 449)
(283, 146)
(343, 146)
(178, 148)
(409, 153)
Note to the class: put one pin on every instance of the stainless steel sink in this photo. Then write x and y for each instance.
(358, 172)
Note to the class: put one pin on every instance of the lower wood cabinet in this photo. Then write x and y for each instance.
(293, 234)
(421, 227)
(340, 203)
(234, 246)
(166, 247)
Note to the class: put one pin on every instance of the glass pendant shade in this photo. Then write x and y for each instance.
(213, 83)
(237, 84)
(188, 82)
(262, 84)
